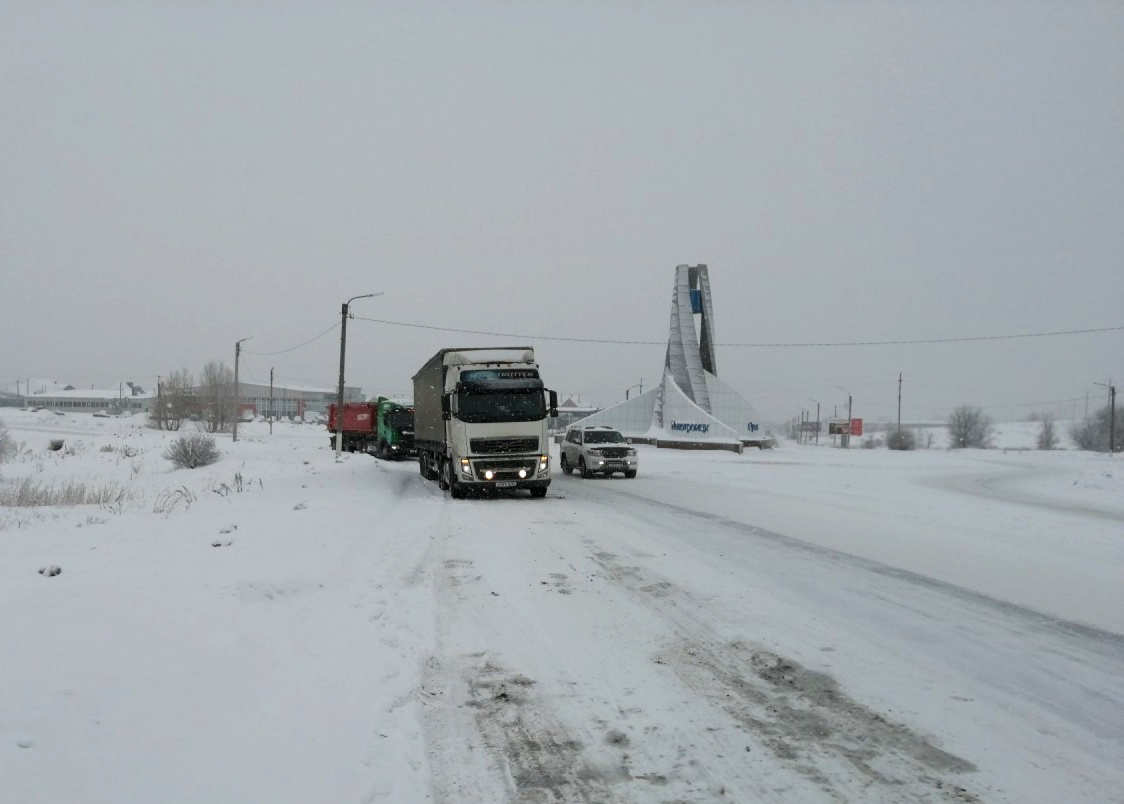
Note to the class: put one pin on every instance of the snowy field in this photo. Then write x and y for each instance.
(800, 624)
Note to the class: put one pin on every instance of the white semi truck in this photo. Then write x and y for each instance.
(481, 420)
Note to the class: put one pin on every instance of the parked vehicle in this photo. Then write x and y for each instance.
(597, 449)
(358, 423)
(395, 430)
(481, 420)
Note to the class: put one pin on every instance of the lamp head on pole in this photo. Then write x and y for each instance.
(364, 296)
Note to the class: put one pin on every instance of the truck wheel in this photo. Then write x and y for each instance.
(442, 476)
(538, 492)
(456, 490)
(631, 474)
(565, 464)
(421, 465)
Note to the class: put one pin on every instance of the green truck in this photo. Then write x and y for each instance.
(394, 435)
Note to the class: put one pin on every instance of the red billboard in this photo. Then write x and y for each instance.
(856, 427)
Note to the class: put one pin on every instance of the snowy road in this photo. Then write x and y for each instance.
(716, 649)
(785, 626)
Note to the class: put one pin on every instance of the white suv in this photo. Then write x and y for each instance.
(597, 449)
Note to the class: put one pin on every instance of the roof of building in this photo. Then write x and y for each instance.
(107, 394)
(308, 389)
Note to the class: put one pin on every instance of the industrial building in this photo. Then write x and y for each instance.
(289, 400)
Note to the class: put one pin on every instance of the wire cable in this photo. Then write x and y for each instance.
(293, 348)
(778, 345)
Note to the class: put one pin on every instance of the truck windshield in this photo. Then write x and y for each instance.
(402, 420)
(501, 406)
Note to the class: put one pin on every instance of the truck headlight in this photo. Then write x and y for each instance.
(489, 474)
(466, 468)
(544, 461)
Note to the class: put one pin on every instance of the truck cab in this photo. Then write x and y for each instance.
(395, 430)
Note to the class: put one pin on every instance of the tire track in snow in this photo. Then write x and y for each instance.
(800, 715)
(491, 734)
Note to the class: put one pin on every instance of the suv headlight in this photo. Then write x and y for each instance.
(631, 452)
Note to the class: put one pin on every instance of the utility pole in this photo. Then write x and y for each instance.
(817, 424)
(237, 394)
(343, 349)
(1111, 418)
(271, 400)
(847, 435)
(1086, 406)
(899, 403)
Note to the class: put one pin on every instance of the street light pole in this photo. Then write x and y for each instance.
(343, 350)
(899, 404)
(237, 394)
(1111, 414)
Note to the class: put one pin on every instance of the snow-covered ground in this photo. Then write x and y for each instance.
(798, 624)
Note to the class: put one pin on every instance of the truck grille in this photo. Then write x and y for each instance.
(501, 446)
(614, 452)
(505, 469)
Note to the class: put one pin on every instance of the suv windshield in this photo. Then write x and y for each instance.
(603, 437)
(501, 406)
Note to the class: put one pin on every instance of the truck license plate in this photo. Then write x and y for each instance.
(505, 484)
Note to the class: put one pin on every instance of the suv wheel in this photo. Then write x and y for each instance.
(583, 469)
(565, 464)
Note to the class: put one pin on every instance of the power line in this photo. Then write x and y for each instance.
(414, 325)
(778, 345)
(293, 348)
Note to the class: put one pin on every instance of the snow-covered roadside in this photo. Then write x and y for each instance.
(236, 648)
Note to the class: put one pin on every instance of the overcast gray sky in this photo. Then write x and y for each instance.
(176, 178)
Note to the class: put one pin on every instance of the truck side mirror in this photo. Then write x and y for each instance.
(553, 404)
(445, 414)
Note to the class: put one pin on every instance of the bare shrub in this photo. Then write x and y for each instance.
(191, 451)
(1092, 434)
(106, 448)
(176, 400)
(216, 397)
(901, 440)
(27, 493)
(1047, 433)
(169, 500)
(969, 427)
(7, 445)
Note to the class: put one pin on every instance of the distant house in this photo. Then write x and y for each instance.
(570, 412)
(89, 400)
